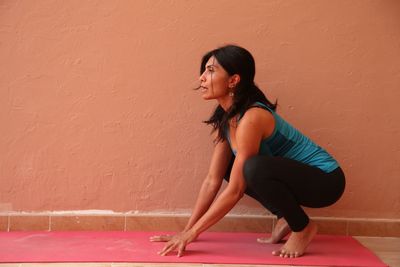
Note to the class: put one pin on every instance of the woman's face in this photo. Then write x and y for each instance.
(214, 82)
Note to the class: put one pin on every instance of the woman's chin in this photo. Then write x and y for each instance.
(206, 97)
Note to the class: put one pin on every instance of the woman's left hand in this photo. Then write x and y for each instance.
(178, 243)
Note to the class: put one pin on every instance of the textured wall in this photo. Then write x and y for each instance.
(97, 111)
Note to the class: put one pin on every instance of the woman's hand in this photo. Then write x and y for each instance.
(178, 243)
(161, 238)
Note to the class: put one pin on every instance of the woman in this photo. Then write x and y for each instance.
(260, 155)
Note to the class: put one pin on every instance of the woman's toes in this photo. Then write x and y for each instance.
(286, 254)
(263, 240)
(276, 252)
(294, 254)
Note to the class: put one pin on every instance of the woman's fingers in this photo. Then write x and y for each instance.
(176, 242)
(179, 246)
(168, 248)
(181, 249)
(161, 238)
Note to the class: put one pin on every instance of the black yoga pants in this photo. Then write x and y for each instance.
(283, 185)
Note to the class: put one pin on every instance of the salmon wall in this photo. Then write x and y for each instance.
(97, 111)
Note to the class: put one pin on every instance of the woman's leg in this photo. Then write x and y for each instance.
(281, 228)
(251, 193)
(287, 185)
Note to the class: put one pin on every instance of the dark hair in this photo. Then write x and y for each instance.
(235, 60)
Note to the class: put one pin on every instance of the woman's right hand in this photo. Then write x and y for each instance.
(161, 238)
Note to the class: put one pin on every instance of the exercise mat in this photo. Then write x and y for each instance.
(210, 247)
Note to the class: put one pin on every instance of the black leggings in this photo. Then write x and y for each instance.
(283, 185)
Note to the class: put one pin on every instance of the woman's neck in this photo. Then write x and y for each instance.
(225, 102)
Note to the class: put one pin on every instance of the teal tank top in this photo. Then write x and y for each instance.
(286, 141)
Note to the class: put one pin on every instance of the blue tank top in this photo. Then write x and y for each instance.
(286, 141)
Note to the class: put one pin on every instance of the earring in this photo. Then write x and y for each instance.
(231, 94)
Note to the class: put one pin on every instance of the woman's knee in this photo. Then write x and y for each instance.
(253, 168)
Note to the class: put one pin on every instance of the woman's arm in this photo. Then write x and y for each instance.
(220, 160)
(248, 137)
(212, 183)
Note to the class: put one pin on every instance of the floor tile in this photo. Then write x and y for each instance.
(371, 228)
(87, 223)
(3, 223)
(242, 265)
(152, 223)
(386, 248)
(67, 264)
(331, 227)
(155, 265)
(29, 223)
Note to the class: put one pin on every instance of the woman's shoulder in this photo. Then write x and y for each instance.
(257, 117)
(257, 113)
(255, 125)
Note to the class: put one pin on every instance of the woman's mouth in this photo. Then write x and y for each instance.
(203, 89)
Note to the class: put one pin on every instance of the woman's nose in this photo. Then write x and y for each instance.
(202, 78)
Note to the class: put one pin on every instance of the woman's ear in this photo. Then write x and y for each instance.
(234, 80)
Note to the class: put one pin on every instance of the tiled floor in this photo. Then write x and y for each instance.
(386, 248)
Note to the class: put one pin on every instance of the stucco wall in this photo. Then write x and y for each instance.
(97, 111)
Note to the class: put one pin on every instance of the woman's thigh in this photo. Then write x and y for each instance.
(310, 186)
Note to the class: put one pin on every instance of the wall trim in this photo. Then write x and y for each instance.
(154, 221)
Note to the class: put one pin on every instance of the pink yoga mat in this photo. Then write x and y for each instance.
(228, 248)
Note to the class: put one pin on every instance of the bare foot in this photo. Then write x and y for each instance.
(281, 230)
(298, 242)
